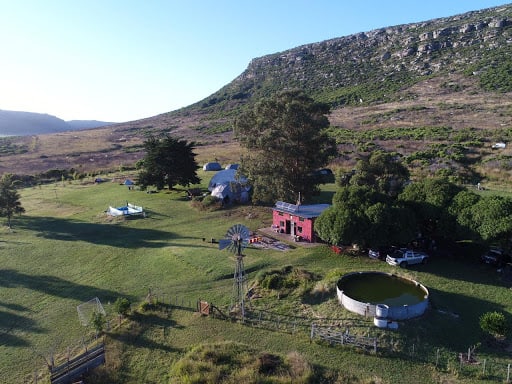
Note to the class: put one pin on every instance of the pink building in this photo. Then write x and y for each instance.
(297, 220)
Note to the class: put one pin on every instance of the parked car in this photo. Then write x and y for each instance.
(380, 253)
(376, 253)
(405, 257)
(494, 256)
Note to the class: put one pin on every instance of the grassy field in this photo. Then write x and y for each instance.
(65, 250)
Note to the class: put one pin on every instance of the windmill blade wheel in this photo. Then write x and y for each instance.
(236, 239)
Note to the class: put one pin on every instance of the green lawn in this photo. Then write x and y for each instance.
(64, 250)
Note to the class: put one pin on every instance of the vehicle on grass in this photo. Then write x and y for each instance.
(375, 253)
(495, 257)
(405, 257)
(380, 253)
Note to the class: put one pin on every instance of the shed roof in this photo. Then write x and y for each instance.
(305, 211)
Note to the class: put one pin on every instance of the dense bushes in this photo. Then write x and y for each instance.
(494, 323)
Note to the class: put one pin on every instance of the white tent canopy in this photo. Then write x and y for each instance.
(226, 185)
(226, 176)
(127, 210)
(212, 166)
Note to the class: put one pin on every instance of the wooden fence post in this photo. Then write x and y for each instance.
(508, 373)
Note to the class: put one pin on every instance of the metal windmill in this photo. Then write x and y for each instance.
(236, 239)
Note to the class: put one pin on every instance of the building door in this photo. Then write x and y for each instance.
(288, 226)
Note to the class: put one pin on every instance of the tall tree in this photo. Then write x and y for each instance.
(9, 198)
(168, 162)
(382, 171)
(287, 141)
(364, 216)
(492, 219)
(430, 199)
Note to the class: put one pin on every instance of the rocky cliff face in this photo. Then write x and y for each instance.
(389, 88)
(400, 54)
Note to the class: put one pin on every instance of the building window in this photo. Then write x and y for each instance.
(301, 219)
(281, 223)
(299, 229)
(280, 213)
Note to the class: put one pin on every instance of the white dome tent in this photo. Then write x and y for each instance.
(227, 186)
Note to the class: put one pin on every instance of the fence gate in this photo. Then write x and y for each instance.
(72, 369)
(204, 308)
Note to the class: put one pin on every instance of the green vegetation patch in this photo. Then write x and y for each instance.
(231, 362)
(8, 147)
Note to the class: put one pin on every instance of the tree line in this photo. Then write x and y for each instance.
(379, 206)
(286, 140)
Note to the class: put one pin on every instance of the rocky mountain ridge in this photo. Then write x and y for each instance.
(453, 73)
(399, 54)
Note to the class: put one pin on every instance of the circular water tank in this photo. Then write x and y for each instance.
(379, 322)
(381, 310)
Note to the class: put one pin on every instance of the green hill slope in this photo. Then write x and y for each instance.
(450, 72)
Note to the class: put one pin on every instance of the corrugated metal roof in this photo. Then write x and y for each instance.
(305, 211)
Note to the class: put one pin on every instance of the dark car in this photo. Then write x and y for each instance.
(323, 176)
(380, 253)
(376, 253)
(495, 257)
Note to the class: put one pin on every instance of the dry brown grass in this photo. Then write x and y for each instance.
(429, 103)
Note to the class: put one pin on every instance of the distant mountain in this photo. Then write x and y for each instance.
(15, 123)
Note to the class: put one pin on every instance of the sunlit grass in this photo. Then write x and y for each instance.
(64, 250)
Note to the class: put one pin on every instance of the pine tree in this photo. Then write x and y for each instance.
(168, 162)
(9, 198)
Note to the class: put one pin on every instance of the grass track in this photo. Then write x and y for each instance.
(65, 250)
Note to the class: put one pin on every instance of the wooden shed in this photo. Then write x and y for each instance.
(297, 220)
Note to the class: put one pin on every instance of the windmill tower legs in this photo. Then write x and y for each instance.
(239, 286)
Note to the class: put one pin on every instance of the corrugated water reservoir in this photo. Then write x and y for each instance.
(367, 293)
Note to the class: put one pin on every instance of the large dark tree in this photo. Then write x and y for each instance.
(286, 140)
(9, 198)
(430, 199)
(168, 162)
(382, 171)
(492, 219)
(364, 216)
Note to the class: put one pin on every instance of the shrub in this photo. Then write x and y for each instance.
(299, 368)
(272, 281)
(494, 323)
(122, 306)
(98, 321)
(210, 203)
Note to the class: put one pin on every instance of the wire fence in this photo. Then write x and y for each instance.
(355, 333)
(351, 333)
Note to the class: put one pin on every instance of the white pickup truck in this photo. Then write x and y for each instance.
(405, 257)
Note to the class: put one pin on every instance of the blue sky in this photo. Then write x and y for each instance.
(122, 60)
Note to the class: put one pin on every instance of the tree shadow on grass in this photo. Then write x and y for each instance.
(143, 331)
(451, 321)
(254, 268)
(12, 317)
(96, 233)
(54, 286)
(10, 322)
(461, 270)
